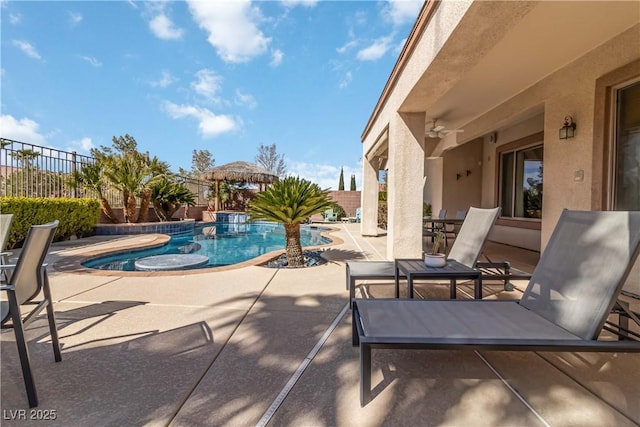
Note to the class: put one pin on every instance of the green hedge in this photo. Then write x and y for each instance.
(77, 216)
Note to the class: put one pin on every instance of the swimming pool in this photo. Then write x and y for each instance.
(222, 243)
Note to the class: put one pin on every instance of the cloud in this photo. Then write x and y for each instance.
(165, 80)
(294, 3)
(325, 175)
(164, 28)
(276, 58)
(401, 12)
(376, 50)
(75, 18)
(209, 124)
(232, 27)
(24, 130)
(207, 84)
(347, 46)
(245, 99)
(346, 80)
(91, 60)
(85, 145)
(27, 48)
(15, 18)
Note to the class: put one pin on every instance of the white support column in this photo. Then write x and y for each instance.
(369, 199)
(405, 185)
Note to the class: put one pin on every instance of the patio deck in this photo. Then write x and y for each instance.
(217, 348)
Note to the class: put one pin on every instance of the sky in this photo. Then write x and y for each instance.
(223, 76)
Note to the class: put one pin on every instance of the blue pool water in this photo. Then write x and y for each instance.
(222, 243)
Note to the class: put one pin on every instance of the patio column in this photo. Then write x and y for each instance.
(405, 185)
(369, 198)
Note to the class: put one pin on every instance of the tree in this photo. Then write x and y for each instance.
(168, 196)
(269, 159)
(352, 187)
(91, 177)
(290, 201)
(201, 161)
(341, 181)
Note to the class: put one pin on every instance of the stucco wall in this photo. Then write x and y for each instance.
(466, 190)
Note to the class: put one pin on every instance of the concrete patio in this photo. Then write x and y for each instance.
(217, 348)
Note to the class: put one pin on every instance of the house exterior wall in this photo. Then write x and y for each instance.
(465, 191)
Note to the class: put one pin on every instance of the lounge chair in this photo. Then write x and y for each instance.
(28, 278)
(330, 216)
(357, 217)
(565, 307)
(5, 227)
(466, 249)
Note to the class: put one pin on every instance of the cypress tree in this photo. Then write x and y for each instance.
(353, 183)
(341, 182)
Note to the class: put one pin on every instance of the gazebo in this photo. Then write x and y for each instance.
(238, 172)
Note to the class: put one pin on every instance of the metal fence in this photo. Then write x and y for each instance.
(29, 170)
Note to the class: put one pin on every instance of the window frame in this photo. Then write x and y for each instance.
(613, 138)
(530, 141)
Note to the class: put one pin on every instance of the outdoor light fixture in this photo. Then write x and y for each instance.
(568, 130)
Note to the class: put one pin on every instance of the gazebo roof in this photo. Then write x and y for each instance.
(240, 172)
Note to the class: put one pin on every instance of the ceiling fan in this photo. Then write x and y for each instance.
(439, 131)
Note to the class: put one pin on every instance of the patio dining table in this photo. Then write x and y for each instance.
(453, 270)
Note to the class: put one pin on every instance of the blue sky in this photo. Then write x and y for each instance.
(222, 76)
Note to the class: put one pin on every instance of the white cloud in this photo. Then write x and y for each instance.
(91, 60)
(294, 3)
(325, 175)
(15, 18)
(232, 27)
(164, 28)
(207, 84)
(209, 124)
(27, 48)
(165, 80)
(276, 58)
(85, 145)
(245, 99)
(401, 12)
(376, 50)
(24, 130)
(75, 18)
(346, 80)
(347, 46)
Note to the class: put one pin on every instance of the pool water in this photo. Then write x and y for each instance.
(223, 243)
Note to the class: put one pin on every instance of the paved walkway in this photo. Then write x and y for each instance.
(218, 348)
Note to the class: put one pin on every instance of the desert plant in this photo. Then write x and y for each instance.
(438, 240)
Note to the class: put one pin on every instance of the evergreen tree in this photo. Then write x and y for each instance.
(341, 182)
(353, 183)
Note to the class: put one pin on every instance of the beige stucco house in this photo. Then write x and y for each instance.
(508, 74)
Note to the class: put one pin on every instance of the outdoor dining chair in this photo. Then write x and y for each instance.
(5, 227)
(27, 280)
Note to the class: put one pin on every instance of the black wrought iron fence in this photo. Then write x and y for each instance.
(29, 170)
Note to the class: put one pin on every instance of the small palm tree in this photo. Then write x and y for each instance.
(290, 201)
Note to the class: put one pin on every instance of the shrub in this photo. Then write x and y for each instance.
(77, 216)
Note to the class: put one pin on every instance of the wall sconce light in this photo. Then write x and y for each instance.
(468, 172)
(458, 176)
(568, 130)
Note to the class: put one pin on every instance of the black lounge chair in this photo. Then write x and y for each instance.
(565, 307)
(28, 278)
(466, 249)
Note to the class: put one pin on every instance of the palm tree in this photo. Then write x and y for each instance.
(290, 201)
(91, 176)
(168, 195)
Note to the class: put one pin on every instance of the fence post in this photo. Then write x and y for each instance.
(74, 168)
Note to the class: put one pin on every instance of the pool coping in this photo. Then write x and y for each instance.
(128, 243)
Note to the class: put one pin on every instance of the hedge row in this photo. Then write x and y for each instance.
(77, 216)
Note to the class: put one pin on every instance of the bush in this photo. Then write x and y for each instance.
(77, 216)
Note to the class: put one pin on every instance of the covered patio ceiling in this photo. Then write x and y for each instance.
(496, 51)
(499, 49)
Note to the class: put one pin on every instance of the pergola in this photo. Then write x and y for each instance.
(238, 172)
